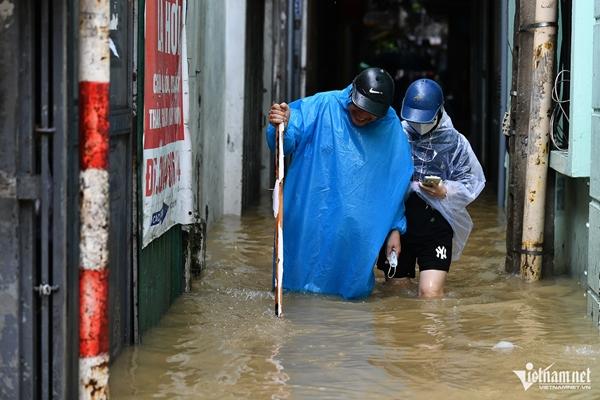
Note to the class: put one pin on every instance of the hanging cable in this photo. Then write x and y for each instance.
(561, 91)
(559, 132)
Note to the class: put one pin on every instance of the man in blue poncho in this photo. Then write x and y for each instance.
(344, 189)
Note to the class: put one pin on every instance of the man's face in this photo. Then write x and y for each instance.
(360, 117)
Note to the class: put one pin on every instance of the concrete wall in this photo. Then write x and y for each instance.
(14, 364)
(235, 40)
(196, 11)
(206, 52)
(572, 194)
(571, 227)
(594, 240)
(216, 33)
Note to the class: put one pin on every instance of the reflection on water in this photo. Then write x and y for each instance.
(222, 341)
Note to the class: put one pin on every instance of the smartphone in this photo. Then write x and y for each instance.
(431, 180)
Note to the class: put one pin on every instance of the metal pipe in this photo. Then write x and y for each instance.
(544, 43)
(503, 101)
(94, 81)
(46, 199)
(303, 52)
(482, 99)
(289, 52)
(520, 95)
(276, 45)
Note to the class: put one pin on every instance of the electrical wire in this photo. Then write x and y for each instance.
(558, 133)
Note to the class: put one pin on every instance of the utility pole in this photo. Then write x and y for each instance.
(94, 83)
(544, 46)
(517, 143)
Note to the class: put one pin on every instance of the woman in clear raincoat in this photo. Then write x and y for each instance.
(447, 177)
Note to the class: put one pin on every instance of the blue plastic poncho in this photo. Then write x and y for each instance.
(343, 193)
(446, 153)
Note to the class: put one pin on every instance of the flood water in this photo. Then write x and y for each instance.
(222, 341)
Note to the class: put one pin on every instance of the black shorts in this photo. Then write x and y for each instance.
(427, 241)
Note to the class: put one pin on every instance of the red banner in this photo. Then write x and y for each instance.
(166, 179)
(163, 100)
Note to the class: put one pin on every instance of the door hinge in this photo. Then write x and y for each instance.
(45, 290)
(45, 130)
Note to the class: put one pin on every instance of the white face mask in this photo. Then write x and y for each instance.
(423, 129)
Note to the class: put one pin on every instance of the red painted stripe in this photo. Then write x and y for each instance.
(93, 124)
(154, 139)
(93, 312)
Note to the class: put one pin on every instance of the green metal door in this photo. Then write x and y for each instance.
(594, 222)
(161, 277)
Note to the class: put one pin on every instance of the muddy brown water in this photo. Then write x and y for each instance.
(221, 341)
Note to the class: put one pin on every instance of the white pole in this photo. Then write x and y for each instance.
(544, 43)
(278, 209)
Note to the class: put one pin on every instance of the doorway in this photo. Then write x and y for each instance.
(451, 42)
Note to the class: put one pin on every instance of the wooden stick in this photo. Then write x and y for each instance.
(278, 202)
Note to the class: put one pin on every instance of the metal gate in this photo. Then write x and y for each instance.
(33, 198)
(39, 195)
(121, 180)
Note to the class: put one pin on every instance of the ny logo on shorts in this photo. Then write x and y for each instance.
(440, 252)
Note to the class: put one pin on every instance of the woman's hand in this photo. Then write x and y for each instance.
(438, 191)
(393, 243)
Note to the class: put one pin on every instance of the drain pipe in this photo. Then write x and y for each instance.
(544, 44)
(94, 78)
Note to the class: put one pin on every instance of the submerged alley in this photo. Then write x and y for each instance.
(140, 184)
(222, 340)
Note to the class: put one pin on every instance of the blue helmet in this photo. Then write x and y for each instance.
(422, 102)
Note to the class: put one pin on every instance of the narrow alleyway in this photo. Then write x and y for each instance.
(222, 341)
